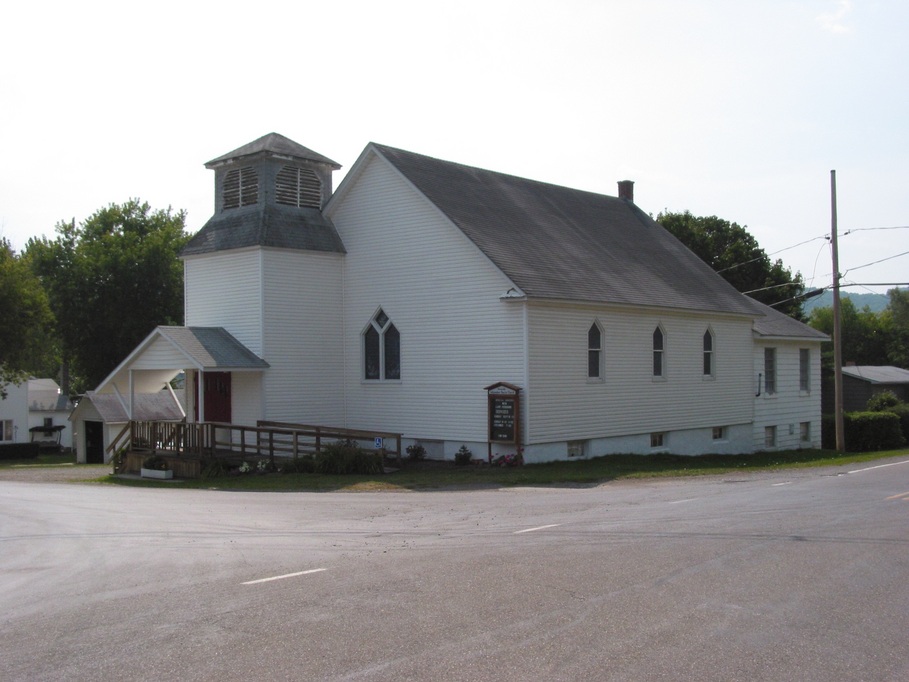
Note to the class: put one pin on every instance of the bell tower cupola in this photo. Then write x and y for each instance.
(269, 192)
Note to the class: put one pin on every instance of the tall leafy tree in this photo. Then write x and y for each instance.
(864, 333)
(26, 343)
(898, 313)
(111, 281)
(736, 255)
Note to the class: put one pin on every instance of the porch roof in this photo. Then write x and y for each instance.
(169, 350)
(212, 348)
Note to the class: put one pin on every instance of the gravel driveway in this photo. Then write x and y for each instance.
(65, 473)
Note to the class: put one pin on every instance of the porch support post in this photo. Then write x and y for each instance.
(200, 391)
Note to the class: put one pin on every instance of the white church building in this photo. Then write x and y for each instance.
(393, 302)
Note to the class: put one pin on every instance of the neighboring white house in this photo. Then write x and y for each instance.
(36, 411)
(393, 302)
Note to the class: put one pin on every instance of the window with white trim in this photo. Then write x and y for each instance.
(708, 354)
(804, 370)
(594, 352)
(805, 432)
(770, 370)
(769, 436)
(659, 364)
(719, 433)
(381, 349)
(6, 430)
(657, 440)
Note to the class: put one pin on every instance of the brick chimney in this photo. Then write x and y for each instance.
(626, 190)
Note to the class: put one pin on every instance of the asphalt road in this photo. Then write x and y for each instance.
(783, 576)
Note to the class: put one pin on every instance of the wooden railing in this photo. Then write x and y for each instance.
(266, 439)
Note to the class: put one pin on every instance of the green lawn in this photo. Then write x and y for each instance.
(582, 472)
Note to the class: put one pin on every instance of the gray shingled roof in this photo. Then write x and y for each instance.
(212, 348)
(146, 407)
(566, 244)
(884, 374)
(775, 323)
(270, 144)
(284, 227)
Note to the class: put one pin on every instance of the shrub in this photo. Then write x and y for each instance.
(346, 457)
(416, 452)
(865, 431)
(19, 451)
(463, 456)
(902, 411)
(156, 462)
(214, 468)
(300, 465)
(883, 402)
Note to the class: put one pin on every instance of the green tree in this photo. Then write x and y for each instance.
(111, 281)
(25, 320)
(735, 254)
(898, 313)
(865, 335)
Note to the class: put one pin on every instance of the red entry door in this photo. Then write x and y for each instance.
(216, 397)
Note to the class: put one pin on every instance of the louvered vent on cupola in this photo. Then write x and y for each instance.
(299, 187)
(241, 187)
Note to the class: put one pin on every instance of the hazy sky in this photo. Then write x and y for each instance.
(738, 109)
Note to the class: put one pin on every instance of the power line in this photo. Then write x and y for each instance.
(859, 267)
(767, 255)
(865, 229)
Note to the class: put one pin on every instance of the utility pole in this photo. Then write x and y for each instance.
(837, 328)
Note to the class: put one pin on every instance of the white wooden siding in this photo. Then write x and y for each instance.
(788, 407)
(442, 294)
(246, 402)
(224, 289)
(563, 404)
(159, 354)
(302, 326)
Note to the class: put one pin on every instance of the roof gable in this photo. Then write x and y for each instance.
(212, 348)
(560, 243)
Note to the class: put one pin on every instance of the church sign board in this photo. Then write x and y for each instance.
(504, 410)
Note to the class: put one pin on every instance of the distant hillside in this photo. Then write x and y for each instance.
(876, 302)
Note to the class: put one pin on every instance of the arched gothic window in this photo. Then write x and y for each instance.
(659, 364)
(381, 349)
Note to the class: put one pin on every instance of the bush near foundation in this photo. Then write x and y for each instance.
(347, 457)
(865, 431)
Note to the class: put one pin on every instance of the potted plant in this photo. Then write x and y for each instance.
(156, 467)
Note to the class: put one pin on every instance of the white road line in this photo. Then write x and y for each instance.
(689, 499)
(777, 485)
(281, 577)
(879, 466)
(530, 530)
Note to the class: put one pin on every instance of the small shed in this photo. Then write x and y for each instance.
(860, 383)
